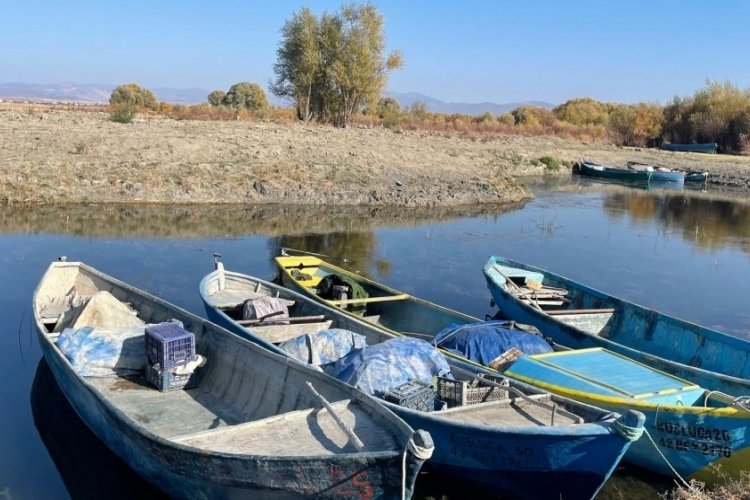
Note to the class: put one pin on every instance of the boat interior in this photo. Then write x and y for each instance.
(498, 405)
(568, 305)
(244, 400)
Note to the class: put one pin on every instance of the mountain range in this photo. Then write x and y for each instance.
(91, 93)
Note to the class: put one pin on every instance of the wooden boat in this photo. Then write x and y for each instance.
(613, 173)
(252, 427)
(699, 434)
(577, 317)
(503, 444)
(658, 174)
(708, 147)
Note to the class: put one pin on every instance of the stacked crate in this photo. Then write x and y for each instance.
(169, 346)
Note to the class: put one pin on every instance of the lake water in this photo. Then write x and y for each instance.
(683, 252)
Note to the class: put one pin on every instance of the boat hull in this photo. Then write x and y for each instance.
(612, 173)
(183, 471)
(703, 356)
(659, 176)
(709, 147)
(691, 441)
(573, 466)
(577, 462)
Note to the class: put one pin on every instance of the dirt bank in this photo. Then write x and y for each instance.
(73, 157)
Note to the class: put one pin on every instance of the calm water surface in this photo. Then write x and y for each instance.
(685, 253)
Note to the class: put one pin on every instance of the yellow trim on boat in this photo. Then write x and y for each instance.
(598, 400)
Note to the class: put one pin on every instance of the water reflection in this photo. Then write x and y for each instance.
(190, 221)
(705, 221)
(88, 468)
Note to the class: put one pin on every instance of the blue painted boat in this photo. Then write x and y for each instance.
(503, 444)
(658, 173)
(251, 427)
(708, 147)
(578, 316)
(697, 433)
(612, 173)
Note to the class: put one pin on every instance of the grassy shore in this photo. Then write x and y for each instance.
(53, 156)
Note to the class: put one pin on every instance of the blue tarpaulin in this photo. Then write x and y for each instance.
(484, 341)
(323, 347)
(383, 367)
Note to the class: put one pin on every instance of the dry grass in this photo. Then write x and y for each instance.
(738, 489)
(203, 155)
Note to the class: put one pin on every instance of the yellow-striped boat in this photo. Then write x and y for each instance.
(698, 434)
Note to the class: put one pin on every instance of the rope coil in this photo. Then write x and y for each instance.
(631, 434)
(419, 452)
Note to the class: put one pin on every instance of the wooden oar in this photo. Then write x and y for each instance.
(349, 432)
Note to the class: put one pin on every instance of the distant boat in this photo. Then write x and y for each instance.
(257, 424)
(708, 147)
(613, 173)
(658, 173)
(694, 176)
(477, 443)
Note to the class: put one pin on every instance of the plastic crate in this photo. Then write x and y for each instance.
(166, 380)
(413, 394)
(461, 393)
(168, 345)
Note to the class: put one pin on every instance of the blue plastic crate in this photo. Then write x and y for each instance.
(415, 395)
(166, 380)
(168, 345)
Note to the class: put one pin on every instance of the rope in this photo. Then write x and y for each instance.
(742, 401)
(419, 452)
(631, 434)
(677, 474)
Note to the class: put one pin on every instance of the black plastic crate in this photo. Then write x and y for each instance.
(415, 395)
(166, 380)
(168, 345)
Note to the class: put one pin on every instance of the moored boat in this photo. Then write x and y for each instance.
(251, 422)
(658, 173)
(577, 316)
(502, 443)
(699, 434)
(613, 173)
(708, 147)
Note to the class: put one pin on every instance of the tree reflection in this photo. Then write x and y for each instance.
(707, 222)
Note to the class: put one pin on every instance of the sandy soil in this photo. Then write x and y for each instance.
(74, 157)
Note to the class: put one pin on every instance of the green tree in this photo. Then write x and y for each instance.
(246, 95)
(134, 95)
(299, 62)
(216, 98)
(333, 66)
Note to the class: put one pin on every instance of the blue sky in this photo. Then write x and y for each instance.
(470, 51)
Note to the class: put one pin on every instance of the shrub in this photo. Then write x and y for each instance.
(134, 95)
(216, 98)
(550, 162)
(246, 95)
(122, 113)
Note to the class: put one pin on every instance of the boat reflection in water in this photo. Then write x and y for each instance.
(87, 467)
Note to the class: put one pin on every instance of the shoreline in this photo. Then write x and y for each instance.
(54, 157)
